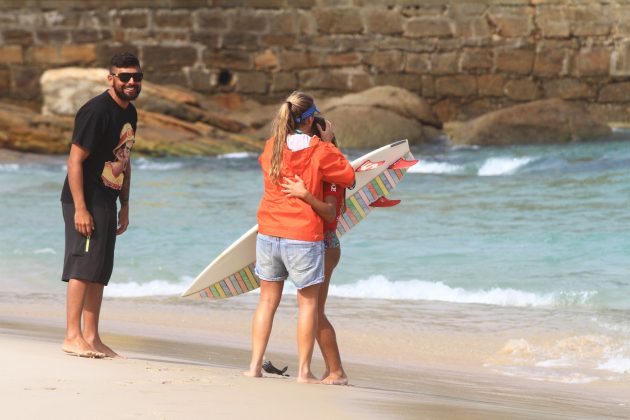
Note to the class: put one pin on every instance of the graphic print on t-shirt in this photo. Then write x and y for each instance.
(114, 172)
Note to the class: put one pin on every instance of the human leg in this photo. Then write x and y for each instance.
(91, 316)
(270, 295)
(74, 342)
(74, 271)
(307, 328)
(305, 263)
(326, 336)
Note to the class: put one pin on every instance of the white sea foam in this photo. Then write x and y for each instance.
(151, 288)
(145, 164)
(9, 167)
(616, 364)
(502, 166)
(466, 147)
(379, 287)
(424, 167)
(574, 359)
(45, 251)
(236, 155)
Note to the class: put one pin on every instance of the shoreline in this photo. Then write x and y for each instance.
(171, 367)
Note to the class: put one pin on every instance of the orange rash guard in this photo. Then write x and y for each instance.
(291, 217)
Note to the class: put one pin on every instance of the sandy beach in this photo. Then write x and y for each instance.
(185, 361)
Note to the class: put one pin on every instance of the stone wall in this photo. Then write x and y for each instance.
(465, 57)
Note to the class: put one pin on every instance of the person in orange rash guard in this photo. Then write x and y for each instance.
(290, 233)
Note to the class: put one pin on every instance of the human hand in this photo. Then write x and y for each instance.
(123, 219)
(83, 222)
(326, 133)
(294, 188)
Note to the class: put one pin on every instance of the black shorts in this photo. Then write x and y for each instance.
(91, 260)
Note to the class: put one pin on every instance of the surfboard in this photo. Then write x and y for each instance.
(377, 173)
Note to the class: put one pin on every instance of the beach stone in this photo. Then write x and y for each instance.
(65, 90)
(398, 100)
(365, 127)
(538, 122)
(380, 115)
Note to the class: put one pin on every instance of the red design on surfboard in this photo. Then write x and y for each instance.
(403, 164)
(368, 165)
(384, 202)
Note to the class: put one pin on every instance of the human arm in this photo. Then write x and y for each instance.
(296, 188)
(83, 222)
(123, 214)
(334, 166)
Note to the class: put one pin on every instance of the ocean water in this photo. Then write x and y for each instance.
(528, 241)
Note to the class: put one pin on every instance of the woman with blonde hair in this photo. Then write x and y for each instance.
(290, 232)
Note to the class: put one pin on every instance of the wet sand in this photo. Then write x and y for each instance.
(185, 360)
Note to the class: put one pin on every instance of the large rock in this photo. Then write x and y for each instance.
(397, 100)
(364, 127)
(64, 90)
(380, 115)
(25, 130)
(545, 121)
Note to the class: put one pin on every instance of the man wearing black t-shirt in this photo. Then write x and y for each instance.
(99, 174)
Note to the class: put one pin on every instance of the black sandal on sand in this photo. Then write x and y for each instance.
(269, 368)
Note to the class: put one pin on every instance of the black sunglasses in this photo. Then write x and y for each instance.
(125, 77)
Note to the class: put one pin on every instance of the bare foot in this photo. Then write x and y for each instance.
(308, 379)
(253, 373)
(79, 347)
(100, 347)
(334, 379)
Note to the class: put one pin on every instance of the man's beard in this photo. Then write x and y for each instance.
(122, 95)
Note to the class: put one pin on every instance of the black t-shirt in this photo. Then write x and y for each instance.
(101, 126)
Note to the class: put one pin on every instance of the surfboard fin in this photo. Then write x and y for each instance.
(384, 202)
(403, 164)
(369, 165)
(270, 368)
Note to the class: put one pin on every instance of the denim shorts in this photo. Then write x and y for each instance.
(279, 258)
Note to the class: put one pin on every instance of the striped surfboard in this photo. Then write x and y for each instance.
(232, 272)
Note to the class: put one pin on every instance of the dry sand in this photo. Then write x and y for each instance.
(174, 371)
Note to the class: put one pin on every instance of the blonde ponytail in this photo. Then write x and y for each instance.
(283, 125)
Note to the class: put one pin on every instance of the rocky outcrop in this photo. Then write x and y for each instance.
(547, 121)
(400, 101)
(380, 115)
(161, 135)
(65, 90)
(25, 130)
(376, 117)
(171, 119)
(178, 122)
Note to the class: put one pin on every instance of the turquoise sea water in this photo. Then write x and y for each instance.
(540, 227)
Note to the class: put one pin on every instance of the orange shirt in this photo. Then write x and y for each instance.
(291, 217)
